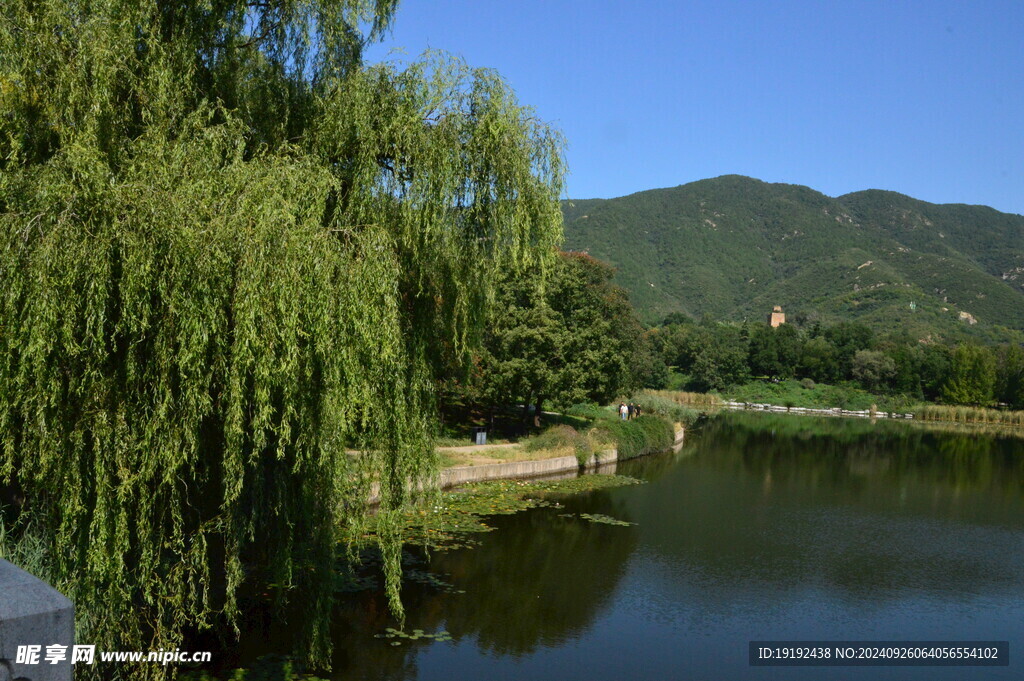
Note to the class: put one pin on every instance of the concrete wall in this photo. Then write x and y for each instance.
(836, 411)
(461, 475)
(32, 613)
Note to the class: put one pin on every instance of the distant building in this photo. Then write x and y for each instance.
(777, 317)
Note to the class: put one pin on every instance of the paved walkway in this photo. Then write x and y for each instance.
(477, 448)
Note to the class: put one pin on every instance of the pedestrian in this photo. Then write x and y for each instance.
(632, 409)
(623, 411)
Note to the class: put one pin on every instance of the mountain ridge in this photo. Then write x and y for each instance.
(732, 247)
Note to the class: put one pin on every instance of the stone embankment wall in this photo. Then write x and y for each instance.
(32, 613)
(867, 413)
(461, 475)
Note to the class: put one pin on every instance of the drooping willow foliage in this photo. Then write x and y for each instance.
(230, 250)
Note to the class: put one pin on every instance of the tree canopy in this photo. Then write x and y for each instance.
(231, 250)
(565, 338)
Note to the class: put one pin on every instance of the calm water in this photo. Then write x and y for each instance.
(763, 527)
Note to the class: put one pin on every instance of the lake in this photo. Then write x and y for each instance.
(763, 527)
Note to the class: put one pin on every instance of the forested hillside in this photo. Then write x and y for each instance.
(732, 247)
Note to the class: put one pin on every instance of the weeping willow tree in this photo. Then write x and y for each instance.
(231, 250)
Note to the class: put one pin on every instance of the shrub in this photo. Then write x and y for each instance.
(643, 435)
(656, 403)
(588, 410)
(583, 444)
(556, 437)
(688, 398)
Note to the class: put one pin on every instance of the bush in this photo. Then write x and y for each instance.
(652, 432)
(588, 410)
(654, 403)
(556, 437)
(583, 444)
(687, 398)
(643, 435)
(824, 396)
(807, 383)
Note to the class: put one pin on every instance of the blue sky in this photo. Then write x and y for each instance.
(925, 98)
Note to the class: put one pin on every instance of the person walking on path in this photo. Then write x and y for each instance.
(623, 411)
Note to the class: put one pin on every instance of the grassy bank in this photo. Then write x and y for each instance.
(673, 408)
(564, 440)
(823, 396)
(812, 395)
(683, 398)
(978, 415)
(652, 432)
(792, 393)
(640, 436)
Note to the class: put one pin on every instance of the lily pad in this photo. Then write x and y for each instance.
(605, 519)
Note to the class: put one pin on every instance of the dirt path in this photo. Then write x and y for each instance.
(476, 448)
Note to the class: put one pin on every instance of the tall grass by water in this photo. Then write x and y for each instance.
(22, 544)
(939, 412)
(655, 402)
(640, 436)
(687, 398)
(583, 443)
(652, 432)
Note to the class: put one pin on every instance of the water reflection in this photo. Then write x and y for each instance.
(538, 581)
(763, 527)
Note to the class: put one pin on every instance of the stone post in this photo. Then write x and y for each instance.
(32, 613)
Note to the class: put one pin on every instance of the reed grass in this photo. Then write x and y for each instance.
(687, 398)
(955, 414)
(652, 402)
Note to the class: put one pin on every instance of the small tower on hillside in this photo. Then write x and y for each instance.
(777, 317)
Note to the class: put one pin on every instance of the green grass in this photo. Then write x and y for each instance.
(940, 412)
(689, 399)
(664, 404)
(583, 443)
(821, 396)
(643, 435)
(22, 544)
(587, 429)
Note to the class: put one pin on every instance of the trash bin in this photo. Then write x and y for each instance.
(479, 436)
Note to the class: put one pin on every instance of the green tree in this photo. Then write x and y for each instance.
(720, 357)
(647, 367)
(762, 353)
(1011, 376)
(789, 348)
(674, 343)
(935, 368)
(847, 338)
(774, 351)
(567, 338)
(818, 360)
(873, 369)
(231, 250)
(907, 360)
(972, 376)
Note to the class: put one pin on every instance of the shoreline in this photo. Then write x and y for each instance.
(835, 411)
(529, 469)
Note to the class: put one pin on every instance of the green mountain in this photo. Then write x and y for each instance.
(733, 247)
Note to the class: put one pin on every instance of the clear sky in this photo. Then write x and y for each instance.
(922, 97)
